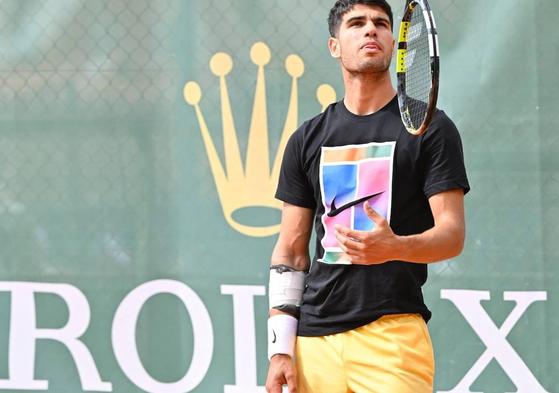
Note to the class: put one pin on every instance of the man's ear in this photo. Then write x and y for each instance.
(334, 47)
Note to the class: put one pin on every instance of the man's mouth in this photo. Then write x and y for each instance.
(371, 46)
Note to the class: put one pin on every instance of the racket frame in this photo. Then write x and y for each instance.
(401, 64)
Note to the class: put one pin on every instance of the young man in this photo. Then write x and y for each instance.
(384, 204)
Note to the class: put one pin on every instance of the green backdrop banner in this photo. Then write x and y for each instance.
(138, 146)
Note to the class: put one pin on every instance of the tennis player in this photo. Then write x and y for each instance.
(384, 204)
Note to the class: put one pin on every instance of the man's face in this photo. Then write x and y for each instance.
(364, 43)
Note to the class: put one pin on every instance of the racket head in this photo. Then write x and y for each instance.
(417, 66)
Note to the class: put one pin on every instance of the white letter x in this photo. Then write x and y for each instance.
(469, 304)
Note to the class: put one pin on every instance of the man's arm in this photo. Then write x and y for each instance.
(292, 251)
(445, 240)
(292, 246)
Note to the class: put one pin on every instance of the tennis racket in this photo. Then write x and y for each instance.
(417, 66)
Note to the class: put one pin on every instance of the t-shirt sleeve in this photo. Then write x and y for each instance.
(293, 186)
(443, 158)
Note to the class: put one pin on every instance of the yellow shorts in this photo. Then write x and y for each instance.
(393, 354)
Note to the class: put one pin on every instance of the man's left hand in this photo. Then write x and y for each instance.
(368, 248)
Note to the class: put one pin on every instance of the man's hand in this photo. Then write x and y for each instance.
(368, 248)
(280, 372)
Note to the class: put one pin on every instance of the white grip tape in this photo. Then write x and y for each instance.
(286, 288)
(282, 333)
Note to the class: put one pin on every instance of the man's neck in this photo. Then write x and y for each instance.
(367, 93)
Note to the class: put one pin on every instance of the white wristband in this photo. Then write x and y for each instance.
(282, 333)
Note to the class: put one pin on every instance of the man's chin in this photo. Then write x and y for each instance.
(374, 68)
(368, 66)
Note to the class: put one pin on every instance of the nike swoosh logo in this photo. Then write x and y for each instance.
(274, 340)
(334, 211)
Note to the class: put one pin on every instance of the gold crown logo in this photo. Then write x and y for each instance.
(254, 185)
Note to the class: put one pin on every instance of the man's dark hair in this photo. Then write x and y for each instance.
(342, 6)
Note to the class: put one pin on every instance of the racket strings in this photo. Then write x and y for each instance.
(418, 69)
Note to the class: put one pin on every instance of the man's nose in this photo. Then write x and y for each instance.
(370, 29)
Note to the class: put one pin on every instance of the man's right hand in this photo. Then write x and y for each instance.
(280, 372)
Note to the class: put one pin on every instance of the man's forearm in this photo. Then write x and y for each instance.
(434, 245)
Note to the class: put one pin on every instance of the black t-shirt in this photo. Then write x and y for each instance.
(332, 164)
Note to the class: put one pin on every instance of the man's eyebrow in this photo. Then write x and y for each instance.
(376, 19)
(355, 18)
(381, 19)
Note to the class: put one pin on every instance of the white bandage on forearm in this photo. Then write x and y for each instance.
(286, 286)
(282, 333)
